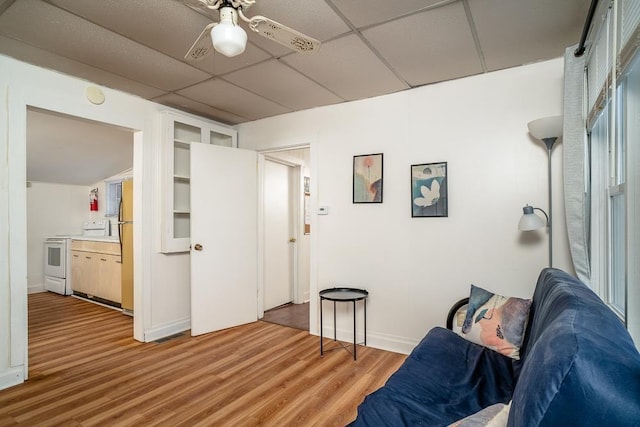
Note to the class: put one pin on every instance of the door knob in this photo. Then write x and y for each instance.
(292, 240)
(198, 247)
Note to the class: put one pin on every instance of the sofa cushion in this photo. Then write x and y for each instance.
(495, 321)
(444, 379)
(580, 366)
(491, 416)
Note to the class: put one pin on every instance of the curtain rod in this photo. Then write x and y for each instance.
(592, 10)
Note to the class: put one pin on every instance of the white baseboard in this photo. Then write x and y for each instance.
(36, 289)
(11, 377)
(167, 330)
(386, 342)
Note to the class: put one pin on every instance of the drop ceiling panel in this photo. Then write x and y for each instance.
(311, 17)
(198, 108)
(42, 58)
(50, 28)
(164, 25)
(282, 84)
(516, 32)
(366, 12)
(349, 68)
(167, 26)
(226, 96)
(429, 46)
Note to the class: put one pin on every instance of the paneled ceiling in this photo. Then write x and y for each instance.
(369, 48)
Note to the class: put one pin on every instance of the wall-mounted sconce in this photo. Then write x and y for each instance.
(547, 130)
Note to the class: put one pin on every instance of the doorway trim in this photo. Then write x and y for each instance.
(296, 206)
(19, 99)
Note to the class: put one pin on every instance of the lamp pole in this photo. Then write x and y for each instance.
(547, 130)
(548, 142)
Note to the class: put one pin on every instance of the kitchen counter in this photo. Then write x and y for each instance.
(109, 239)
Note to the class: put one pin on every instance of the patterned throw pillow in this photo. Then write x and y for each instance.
(496, 322)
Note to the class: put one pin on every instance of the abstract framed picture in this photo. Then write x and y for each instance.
(429, 194)
(367, 178)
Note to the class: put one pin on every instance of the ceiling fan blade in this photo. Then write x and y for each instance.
(193, 3)
(284, 35)
(202, 46)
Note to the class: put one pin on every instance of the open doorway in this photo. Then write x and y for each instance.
(69, 160)
(286, 237)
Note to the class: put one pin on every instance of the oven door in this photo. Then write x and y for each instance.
(54, 258)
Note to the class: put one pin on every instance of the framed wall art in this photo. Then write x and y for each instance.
(367, 178)
(429, 194)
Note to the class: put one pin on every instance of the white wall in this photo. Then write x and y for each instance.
(52, 209)
(416, 268)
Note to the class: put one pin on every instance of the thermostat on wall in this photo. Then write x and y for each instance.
(323, 210)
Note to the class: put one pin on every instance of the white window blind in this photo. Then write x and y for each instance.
(629, 20)
(598, 67)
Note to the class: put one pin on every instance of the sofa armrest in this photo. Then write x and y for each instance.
(455, 308)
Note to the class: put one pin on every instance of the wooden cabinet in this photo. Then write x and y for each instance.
(179, 133)
(96, 269)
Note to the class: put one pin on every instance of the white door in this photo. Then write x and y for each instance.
(224, 246)
(278, 284)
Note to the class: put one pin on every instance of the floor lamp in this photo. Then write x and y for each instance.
(547, 130)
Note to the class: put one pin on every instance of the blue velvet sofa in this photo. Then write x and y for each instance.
(578, 367)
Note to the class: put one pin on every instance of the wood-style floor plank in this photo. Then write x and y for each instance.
(86, 370)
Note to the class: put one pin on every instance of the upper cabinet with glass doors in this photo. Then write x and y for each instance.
(179, 133)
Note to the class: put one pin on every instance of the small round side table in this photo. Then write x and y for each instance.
(344, 295)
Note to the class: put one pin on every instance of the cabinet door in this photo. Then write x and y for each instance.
(180, 133)
(108, 277)
(83, 272)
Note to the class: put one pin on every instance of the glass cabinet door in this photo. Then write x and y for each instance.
(181, 132)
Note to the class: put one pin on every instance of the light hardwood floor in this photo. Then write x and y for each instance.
(86, 370)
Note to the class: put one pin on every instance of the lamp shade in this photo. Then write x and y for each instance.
(546, 127)
(529, 220)
(227, 36)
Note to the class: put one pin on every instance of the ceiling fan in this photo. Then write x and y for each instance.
(228, 38)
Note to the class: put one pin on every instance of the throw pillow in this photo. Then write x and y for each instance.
(496, 322)
(491, 416)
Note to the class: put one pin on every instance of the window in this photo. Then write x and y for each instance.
(113, 190)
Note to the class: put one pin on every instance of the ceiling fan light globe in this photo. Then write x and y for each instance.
(228, 39)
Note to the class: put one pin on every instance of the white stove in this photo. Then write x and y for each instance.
(57, 256)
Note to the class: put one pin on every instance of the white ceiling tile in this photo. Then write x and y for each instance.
(164, 25)
(348, 68)
(226, 96)
(167, 26)
(515, 32)
(189, 105)
(50, 28)
(42, 58)
(366, 12)
(278, 82)
(221, 64)
(311, 17)
(429, 46)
